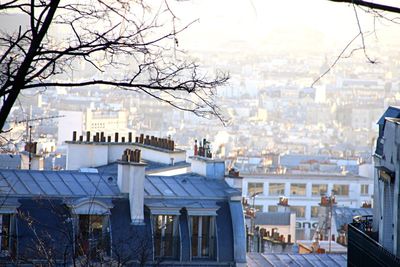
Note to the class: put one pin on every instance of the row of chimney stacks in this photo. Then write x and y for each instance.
(203, 150)
(164, 143)
(100, 137)
(131, 155)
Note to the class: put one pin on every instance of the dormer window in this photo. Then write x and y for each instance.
(92, 227)
(93, 236)
(7, 228)
(166, 236)
(203, 236)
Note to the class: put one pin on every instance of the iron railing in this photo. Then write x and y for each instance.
(365, 251)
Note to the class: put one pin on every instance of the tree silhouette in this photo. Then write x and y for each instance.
(128, 44)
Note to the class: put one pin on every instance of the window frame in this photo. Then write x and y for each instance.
(255, 188)
(211, 238)
(162, 241)
(92, 242)
(10, 247)
(339, 194)
(319, 189)
(280, 193)
(293, 210)
(297, 184)
(362, 191)
(311, 211)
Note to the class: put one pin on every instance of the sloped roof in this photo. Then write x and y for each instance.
(272, 218)
(285, 259)
(345, 215)
(392, 112)
(56, 183)
(188, 185)
(81, 184)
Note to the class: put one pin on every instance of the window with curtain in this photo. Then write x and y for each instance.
(166, 236)
(203, 236)
(93, 236)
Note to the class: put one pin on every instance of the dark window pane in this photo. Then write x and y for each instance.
(5, 232)
(195, 235)
(205, 235)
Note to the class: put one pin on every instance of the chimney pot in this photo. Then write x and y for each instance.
(132, 156)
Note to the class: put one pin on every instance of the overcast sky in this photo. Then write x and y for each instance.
(255, 20)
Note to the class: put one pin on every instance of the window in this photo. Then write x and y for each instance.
(276, 189)
(6, 226)
(298, 189)
(314, 211)
(93, 235)
(203, 233)
(364, 189)
(258, 208)
(255, 188)
(272, 208)
(341, 189)
(319, 189)
(299, 210)
(166, 236)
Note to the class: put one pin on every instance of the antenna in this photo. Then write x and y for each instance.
(31, 147)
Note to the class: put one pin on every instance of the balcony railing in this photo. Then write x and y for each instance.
(364, 250)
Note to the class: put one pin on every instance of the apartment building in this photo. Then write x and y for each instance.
(304, 194)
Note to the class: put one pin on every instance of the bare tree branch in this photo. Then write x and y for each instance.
(370, 5)
(122, 40)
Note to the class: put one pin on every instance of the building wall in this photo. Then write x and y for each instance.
(306, 224)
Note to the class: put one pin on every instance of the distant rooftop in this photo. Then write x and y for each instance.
(345, 215)
(272, 218)
(306, 260)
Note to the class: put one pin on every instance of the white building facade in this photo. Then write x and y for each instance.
(304, 193)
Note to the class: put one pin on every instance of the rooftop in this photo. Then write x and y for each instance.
(282, 259)
(81, 184)
(272, 218)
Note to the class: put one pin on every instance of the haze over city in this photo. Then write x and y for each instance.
(199, 132)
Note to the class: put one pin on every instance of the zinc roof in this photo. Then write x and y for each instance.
(285, 259)
(81, 184)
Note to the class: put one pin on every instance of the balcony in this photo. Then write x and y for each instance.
(363, 250)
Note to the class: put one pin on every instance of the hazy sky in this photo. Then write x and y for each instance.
(254, 20)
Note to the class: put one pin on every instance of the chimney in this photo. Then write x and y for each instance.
(131, 175)
(234, 179)
(210, 168)
(283, 204)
